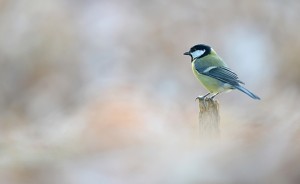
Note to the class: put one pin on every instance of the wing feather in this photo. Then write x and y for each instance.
(221, 73)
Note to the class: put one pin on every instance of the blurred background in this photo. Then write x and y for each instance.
(100, 92)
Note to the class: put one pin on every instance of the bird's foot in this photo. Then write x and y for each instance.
(203, 99)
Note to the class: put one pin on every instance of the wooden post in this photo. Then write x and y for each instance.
(209, 118)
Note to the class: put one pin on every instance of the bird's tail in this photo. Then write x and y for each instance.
(246, 91)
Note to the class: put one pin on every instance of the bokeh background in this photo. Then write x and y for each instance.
(100, 92)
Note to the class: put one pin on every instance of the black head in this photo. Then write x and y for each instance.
(198, 51)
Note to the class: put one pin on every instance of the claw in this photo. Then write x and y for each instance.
(203, 99)
(199, 98)
(204, 103)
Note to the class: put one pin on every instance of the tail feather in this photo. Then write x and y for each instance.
(246, 91)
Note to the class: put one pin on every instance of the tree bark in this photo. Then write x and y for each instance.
(209, 118)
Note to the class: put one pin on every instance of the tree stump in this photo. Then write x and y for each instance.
(209, 118)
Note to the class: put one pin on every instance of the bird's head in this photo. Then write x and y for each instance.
(198, 51)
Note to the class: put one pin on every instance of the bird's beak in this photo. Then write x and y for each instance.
(187, 53)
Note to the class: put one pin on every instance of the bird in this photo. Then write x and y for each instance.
(213, 72)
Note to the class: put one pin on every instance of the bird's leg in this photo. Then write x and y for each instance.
(202, 97)
(212, 97)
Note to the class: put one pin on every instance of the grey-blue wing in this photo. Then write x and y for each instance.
(221, 73)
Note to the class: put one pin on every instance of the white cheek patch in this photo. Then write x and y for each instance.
(197, 53)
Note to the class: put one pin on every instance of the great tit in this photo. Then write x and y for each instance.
(213, 73)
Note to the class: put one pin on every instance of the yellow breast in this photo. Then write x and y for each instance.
(211, 84)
